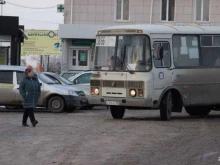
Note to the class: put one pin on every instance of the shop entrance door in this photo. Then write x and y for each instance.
(79, 59)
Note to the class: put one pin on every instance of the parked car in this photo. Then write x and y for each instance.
(68, 74)
(54, 97)
(57, 78)
(83, 87)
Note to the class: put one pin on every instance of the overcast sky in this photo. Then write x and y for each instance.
(46, 19)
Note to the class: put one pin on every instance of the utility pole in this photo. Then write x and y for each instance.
(2, 2)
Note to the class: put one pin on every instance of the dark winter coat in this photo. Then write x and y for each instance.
(30, 91)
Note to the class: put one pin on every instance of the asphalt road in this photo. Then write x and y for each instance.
(92, 137)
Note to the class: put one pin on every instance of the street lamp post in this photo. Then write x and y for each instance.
(2, 2)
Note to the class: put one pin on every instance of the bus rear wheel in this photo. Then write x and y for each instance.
(166, 107)
(117, 112)
(200, 111)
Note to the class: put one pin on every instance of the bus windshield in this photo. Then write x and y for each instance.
(123, 53)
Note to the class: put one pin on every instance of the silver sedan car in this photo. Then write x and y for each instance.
(83, 87)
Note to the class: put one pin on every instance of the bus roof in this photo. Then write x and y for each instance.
(168, 28)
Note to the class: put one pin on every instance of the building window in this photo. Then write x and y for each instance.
(74, 58)
(122, 10)
(202, 10)
(167, 10)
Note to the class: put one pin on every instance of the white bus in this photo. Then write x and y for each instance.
(165, 67)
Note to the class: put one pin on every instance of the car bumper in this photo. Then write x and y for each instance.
(75, 101)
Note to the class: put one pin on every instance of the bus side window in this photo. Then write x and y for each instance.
(186, 51)
(161, 55)
(210, 47)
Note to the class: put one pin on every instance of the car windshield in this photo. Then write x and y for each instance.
(45, 79)
(123, 53)
(65, 81)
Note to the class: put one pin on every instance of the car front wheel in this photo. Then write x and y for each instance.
(56, 104)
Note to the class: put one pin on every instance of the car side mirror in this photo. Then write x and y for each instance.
(41, 84)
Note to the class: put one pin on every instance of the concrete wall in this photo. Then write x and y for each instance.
(103, 12)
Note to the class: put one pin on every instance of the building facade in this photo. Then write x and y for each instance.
(82, 18)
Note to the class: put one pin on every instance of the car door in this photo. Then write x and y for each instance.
(18, 78)
(7, 88)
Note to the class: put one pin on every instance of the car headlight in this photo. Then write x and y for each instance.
(72, 93)
(96, 91)
(132, 92)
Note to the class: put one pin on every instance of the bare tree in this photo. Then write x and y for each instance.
(58, 66)
(52, 63)
(36, 59)
(23, 62)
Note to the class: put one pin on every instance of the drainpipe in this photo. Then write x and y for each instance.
(151, 11)
(71, 19)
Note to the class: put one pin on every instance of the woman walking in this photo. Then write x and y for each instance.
(30, 91)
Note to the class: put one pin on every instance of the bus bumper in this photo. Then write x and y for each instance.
(126, 102)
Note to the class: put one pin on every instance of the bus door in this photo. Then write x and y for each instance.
(162, 71)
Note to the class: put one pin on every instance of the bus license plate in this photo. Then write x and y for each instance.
(112, 102)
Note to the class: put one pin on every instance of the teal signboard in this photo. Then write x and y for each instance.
(82, 42)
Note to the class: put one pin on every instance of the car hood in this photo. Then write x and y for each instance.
(83, 87)
(66, 87)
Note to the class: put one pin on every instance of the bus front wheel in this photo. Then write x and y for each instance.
(117, 112)
(198, 111)
(166, 107)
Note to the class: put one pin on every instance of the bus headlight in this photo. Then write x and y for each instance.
(96, 91)
(133, 92)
